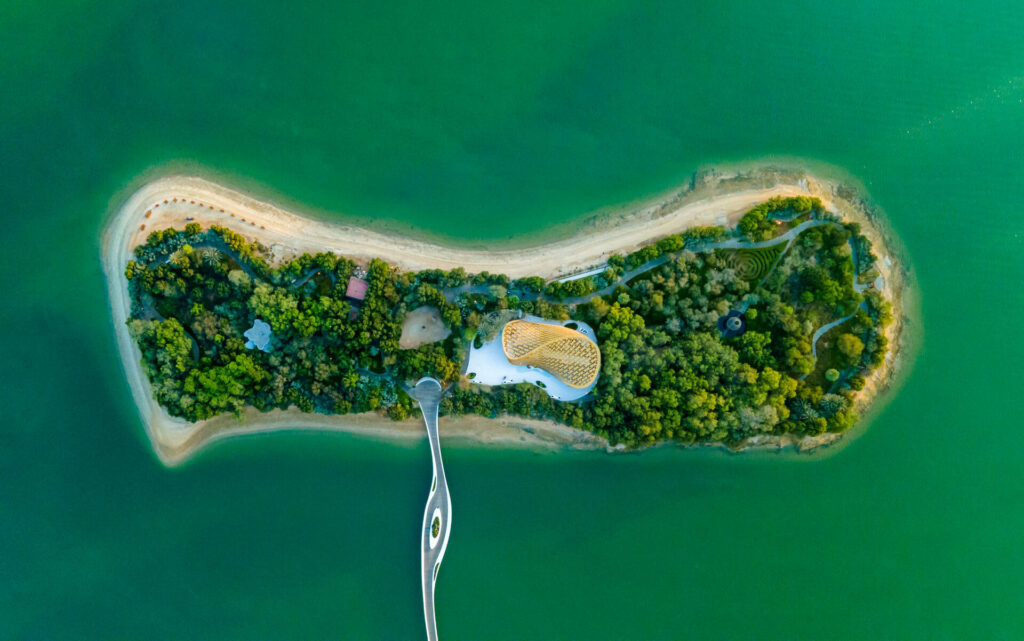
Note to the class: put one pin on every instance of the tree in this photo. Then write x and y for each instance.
(222, 388)
(426, 360)
(497, 291)
(275, 305)
(850, 347)
(164, 345)
(533, 284)
(754, 348)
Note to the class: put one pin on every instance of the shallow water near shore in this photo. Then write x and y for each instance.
(467, 123)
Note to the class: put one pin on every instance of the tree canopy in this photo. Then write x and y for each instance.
(667, 371)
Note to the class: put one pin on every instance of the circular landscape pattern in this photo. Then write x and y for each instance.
(753, 264)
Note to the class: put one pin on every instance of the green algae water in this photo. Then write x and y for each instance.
(483, 125)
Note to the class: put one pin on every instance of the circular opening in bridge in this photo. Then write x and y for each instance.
(434, 531)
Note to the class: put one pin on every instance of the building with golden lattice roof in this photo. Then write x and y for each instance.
(565, 353)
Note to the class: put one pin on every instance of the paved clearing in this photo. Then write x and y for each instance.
(422, 325)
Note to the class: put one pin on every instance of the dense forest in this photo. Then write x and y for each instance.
(667, 370)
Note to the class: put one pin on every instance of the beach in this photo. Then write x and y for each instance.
(714, 197)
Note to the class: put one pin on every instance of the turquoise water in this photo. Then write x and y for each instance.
(479, 123)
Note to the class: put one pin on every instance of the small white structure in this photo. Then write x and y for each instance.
(600, 269)
(259, 336)
(489, 366)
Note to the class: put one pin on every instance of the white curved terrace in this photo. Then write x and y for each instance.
(489, 366)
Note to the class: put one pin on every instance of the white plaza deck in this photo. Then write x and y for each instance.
(488, 366)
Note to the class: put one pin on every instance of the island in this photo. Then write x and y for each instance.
(749, 308)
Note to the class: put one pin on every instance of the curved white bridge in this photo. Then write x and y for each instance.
(437, 515)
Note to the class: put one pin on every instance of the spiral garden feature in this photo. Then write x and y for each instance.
(754, 264)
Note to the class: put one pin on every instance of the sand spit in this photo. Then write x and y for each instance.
(712, 197)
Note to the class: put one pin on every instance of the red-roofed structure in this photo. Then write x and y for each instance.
(356, 288)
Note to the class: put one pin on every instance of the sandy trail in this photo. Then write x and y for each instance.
(175, 201)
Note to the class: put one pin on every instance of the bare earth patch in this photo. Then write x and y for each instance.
(422, 325)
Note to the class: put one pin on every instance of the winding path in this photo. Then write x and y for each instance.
(439, 505)
(302, 281)
(736, 243)
(733, 243)
(452, 293)
(821, 331)
(827, 326)
(857, 287)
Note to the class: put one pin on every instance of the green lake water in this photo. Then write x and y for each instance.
(479, 123)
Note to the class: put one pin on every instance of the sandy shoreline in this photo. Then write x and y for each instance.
(710, 198)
